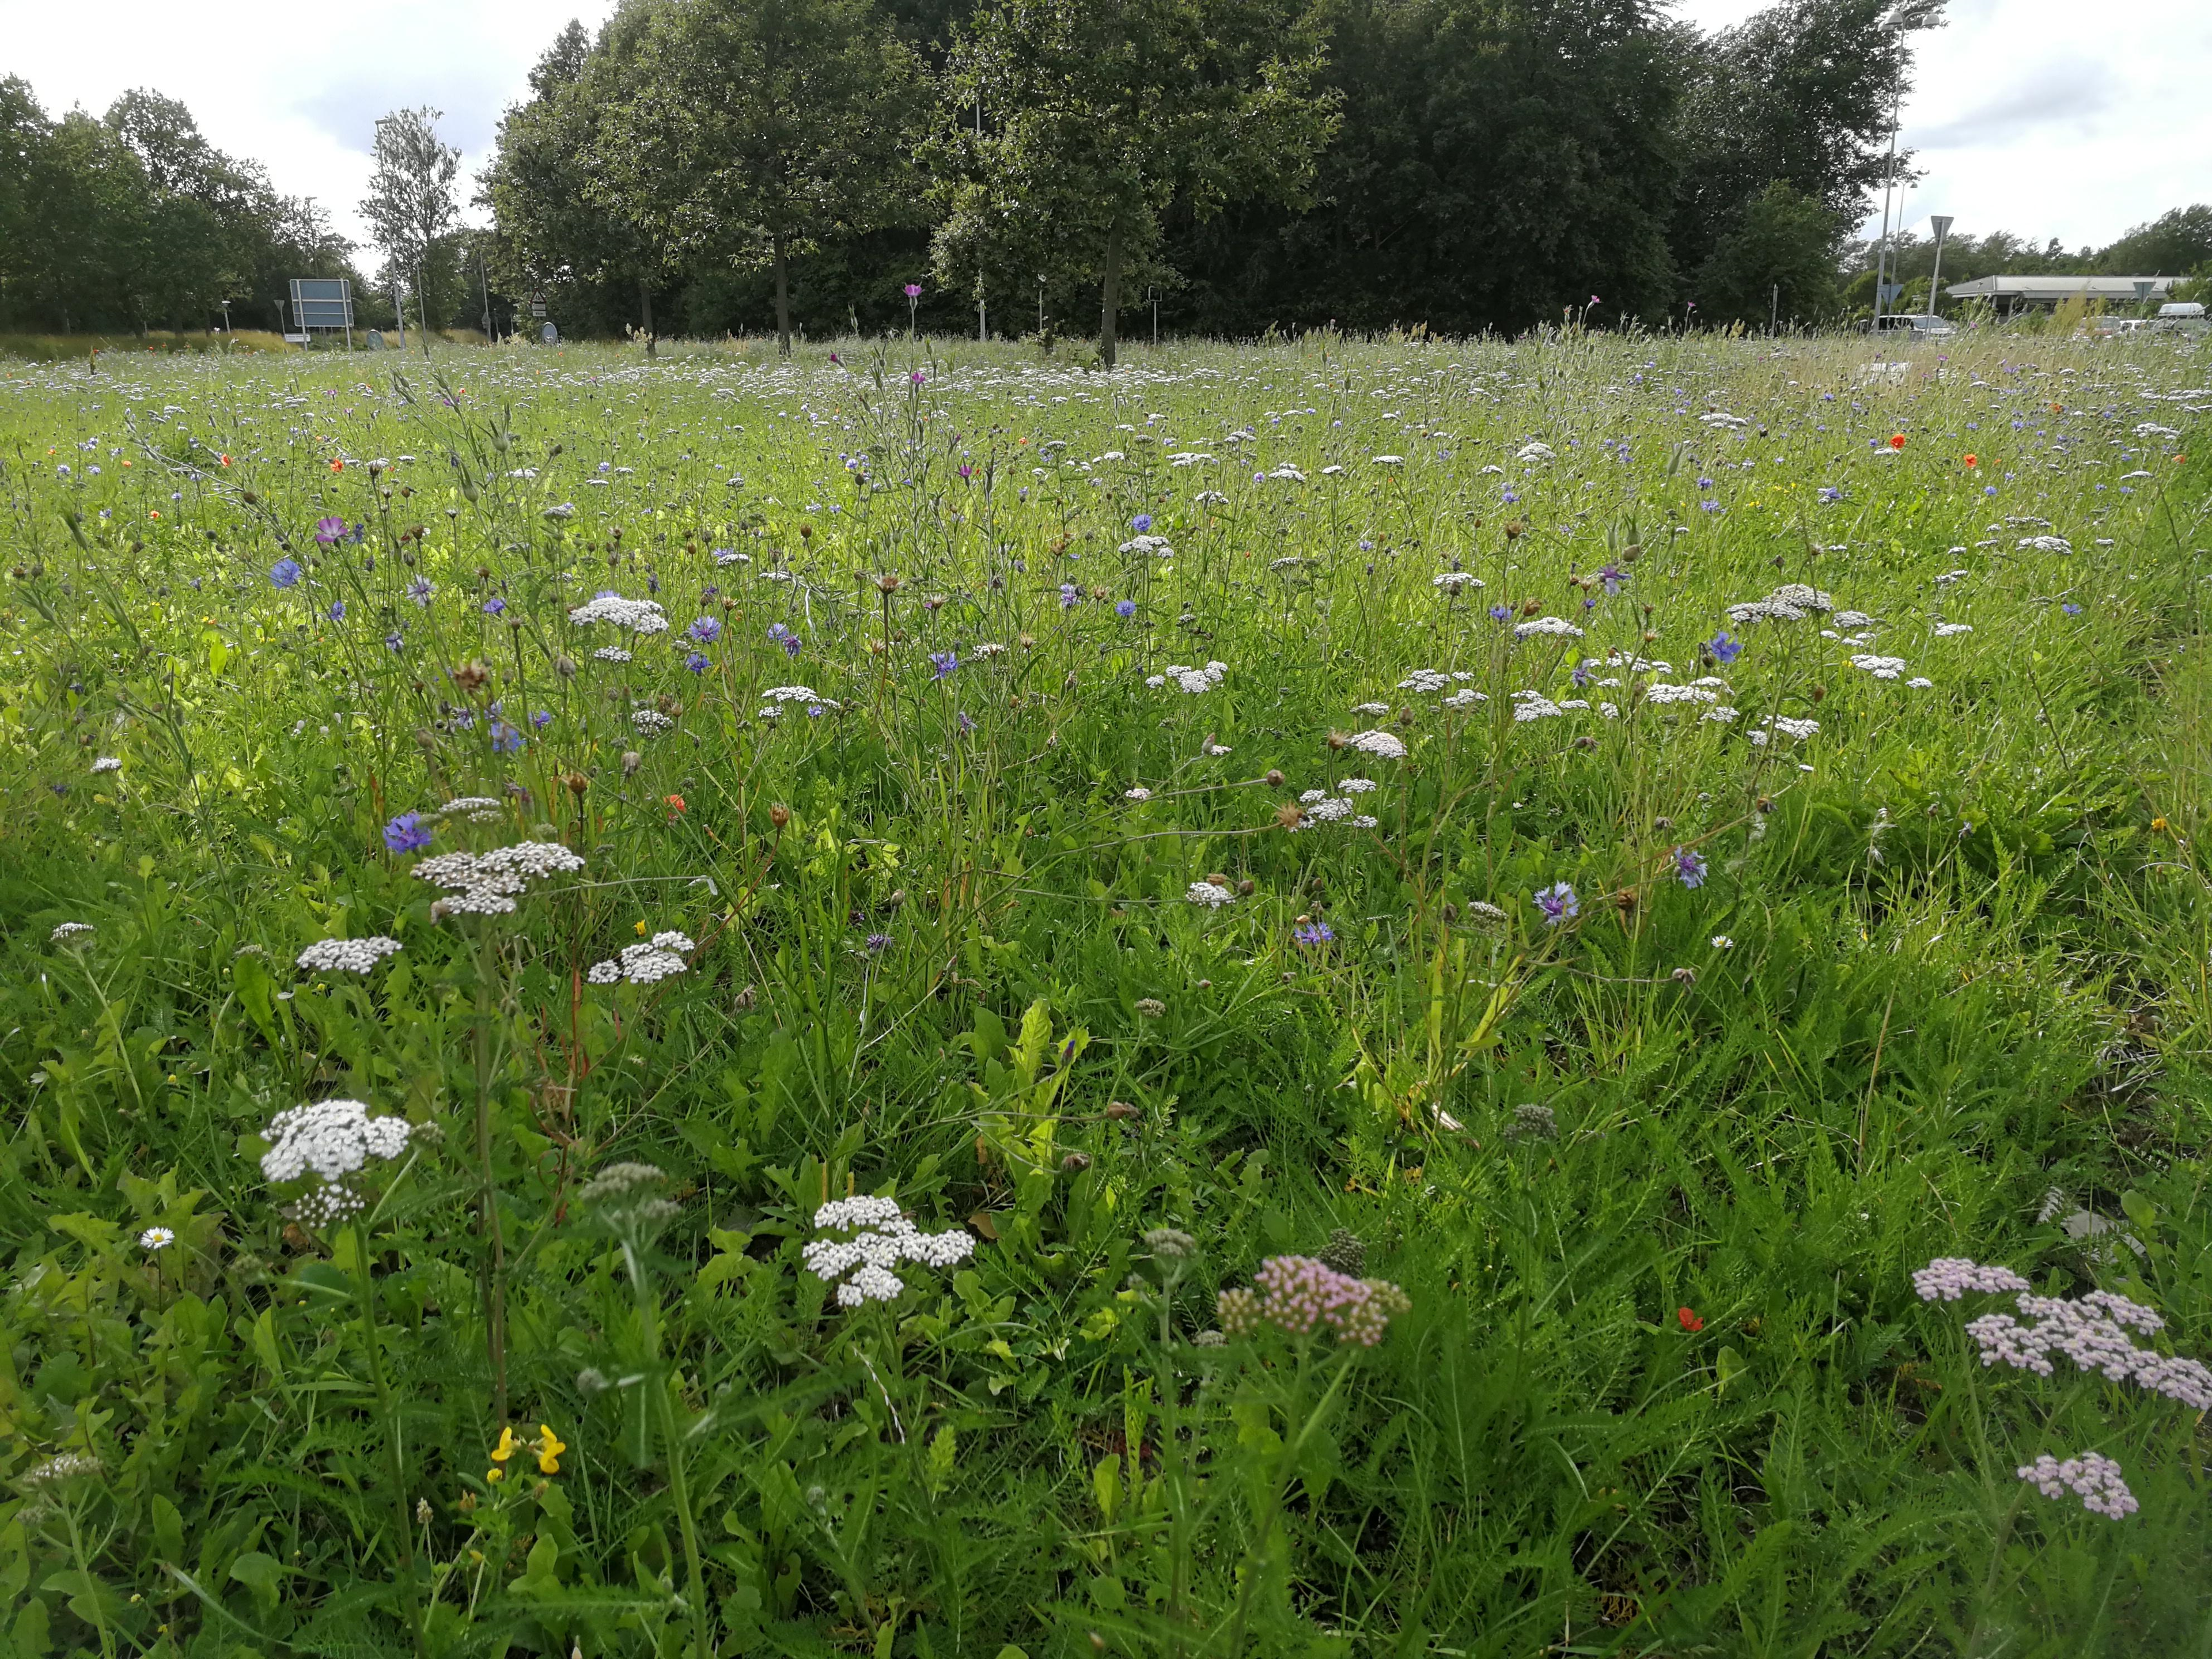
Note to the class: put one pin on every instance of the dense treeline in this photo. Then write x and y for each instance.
(1227, 166)
(133, 221)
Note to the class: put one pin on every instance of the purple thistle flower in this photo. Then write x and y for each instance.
(966, 470)
(1558, 903)
(406, 833)
(1689, 867)
(1724, 649)
(330, 530)
(284, 573)
(914, 290)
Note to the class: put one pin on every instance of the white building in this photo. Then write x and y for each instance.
(2009, 294)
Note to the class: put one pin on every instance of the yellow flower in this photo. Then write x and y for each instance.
(640, 930)
(495, 1474)
(506, 1448)
(549, 1447)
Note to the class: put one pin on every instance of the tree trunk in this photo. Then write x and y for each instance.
(782, 298)
(1109, 298)
(644, 303)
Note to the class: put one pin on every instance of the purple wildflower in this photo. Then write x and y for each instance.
(420, 590)
(706, 630)
(337, 612)
(1689, 867)
(330, 530)
(1070, 596)
(284, 573)
(1558, 903)
(1125, 608)
(1724, 649)
(407, 833)
(495, 607)
(1313, 933)
(1142, 523)
(943, 663)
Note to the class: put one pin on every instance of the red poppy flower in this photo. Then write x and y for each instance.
(1973, 461)
(675, 804)
(336, 465)
(1897, 441)
(1690, 1322)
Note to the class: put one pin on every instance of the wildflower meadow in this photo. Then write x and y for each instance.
(1346, 996)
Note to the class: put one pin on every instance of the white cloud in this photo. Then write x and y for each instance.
(297, 88)
(2028, 115)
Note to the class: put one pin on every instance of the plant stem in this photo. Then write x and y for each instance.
(495, 1276)
(402, 1524)
(648, 1309)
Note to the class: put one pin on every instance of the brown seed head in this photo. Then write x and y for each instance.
(779, 815)
(1274, 779)
(1289, 816)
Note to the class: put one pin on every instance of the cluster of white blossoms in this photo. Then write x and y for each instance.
(1193, 681)
(881, 1239)
(1148, 547)
(347, 956)
(1317, 806)
(1557, 627)
(329, 1143)
(649, 722)
(2096, 1480)
(1211, 895)
(1788, 726)
(476, 809)
(487, 884)
(2045, 544)
(1455, 582)
(1466, 697)
(1945, 630)
(69, 930)
(644, 964)
(639, 616)
(1882, 668)
(611, 653)
(1660, 692)
(1386, 745)
(1788, 603)
(1534, 706)
(106, 763)
(797, 694)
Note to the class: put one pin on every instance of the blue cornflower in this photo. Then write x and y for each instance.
(2071, 610)
(943, 663)
(337, 612)
(1709, 507)
(697, 662)
(792, 646)
(1500, 613)
(1724, 649)
(1831, 493)
(1142, 523)
(420, 590)
(967, 723)
(877, 943)
(284, 573)
(1581, 675)
(494, 605)
(777, 633)
(1508, 497)
(1612, 576)
(1313, 933)
(1988, 489)
(407, 833)
(1070, 596)
(505, 739)
(706, 630)
(1558, 903)
(541, 719)
(395, 641)
(1704, 484)
(1689, 867)
(1125, 608)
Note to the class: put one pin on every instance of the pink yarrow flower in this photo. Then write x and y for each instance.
(1297, 1294)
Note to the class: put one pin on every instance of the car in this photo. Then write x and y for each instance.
(1920, 324)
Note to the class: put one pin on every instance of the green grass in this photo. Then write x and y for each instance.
(1654, 1178)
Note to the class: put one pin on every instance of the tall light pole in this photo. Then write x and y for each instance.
(1940, 223)
(1888, 184)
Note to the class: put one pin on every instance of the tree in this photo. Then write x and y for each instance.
(755, 128)
(1804, 92)
(1098, 116)
(411, 207)
(1498, 160)
(557, 230)
(1781, 258)
(2175, 243)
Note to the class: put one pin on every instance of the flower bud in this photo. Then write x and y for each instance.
(1075, 1164)
(779, 815)
(631, 761)
(1274, 778)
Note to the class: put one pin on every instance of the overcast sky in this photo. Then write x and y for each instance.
(2029, 115)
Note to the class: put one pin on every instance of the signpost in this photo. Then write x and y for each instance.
(1940, 223)
(323, 302)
